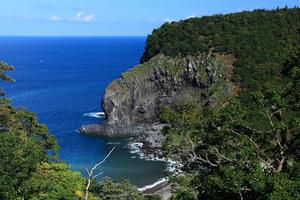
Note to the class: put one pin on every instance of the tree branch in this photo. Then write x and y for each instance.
(90, 173)
(199, 157)
(222, 156)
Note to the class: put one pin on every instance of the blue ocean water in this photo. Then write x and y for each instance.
(61, 79)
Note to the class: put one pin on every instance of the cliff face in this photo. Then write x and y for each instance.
(132, 103)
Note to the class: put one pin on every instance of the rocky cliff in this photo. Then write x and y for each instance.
(132, 103)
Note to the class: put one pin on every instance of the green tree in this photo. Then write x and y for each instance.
(54, 181)
(107, 189)
(24, 143)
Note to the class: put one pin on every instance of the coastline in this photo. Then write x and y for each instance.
(161, 187)
(154, 186)
(139, 148)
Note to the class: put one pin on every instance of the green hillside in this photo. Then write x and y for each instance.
(249, 149)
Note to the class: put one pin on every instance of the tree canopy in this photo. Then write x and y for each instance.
(249, 147)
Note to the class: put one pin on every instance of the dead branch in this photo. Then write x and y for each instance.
(222, 156)
(280, 165)
(277, 111)
(206, 160)
(270, 119)
(90, 173)
(270, 115)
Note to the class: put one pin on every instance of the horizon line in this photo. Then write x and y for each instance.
(73, 35)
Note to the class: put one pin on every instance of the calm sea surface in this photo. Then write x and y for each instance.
(61, 79)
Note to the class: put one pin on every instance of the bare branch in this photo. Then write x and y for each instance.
(97, 164)
(270, 115)
(266, 163)
(280, 165)
(233, 131)
(279, 144)
(95, 176)
(199, 157)
(270, 119)
(252, 141)
(277, 111)
(241, 195)
(222, 156)
(209, 162)
(90, 173)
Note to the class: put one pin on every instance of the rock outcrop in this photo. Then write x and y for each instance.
(133, 102)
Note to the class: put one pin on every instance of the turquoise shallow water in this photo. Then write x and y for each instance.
(61, 79)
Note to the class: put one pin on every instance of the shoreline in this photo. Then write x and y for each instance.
(162, 188)
(154, 185)
(137, 148)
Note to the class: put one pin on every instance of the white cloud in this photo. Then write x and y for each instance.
(89, 18)
(81, 16)
(153, 19)
(167, 20)
(55, 18)
(190, 16)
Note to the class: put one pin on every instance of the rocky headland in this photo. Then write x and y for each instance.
(132, 103)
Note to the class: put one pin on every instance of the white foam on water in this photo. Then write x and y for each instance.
(146, 187)
(173, 167)
(113, 143)
(135, 148)
(95, 114)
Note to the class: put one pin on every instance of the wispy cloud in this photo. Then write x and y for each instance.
(82, 16)
(55, 18)
(167, 20)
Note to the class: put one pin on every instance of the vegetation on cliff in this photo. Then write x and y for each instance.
(261, 41)
(249, 147)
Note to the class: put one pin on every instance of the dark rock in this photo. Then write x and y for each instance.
(132, 103)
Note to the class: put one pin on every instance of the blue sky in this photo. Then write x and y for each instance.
(111, 17)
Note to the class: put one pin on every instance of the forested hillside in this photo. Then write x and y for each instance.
(261, 41)
(249, 147)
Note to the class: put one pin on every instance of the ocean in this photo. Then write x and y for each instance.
(62, 80)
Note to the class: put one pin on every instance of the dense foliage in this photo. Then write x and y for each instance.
(107, 189)
(24, 144)
(248, 148)
(54, 181)
(110, 190)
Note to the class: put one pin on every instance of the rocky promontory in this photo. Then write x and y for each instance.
(133, 102)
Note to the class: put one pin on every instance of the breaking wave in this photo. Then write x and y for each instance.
(146, 187)
(95, 114)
